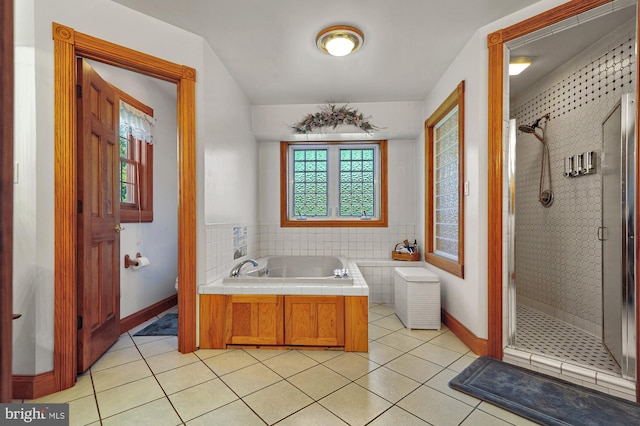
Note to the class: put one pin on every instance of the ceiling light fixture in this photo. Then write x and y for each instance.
(339, 40)
(518, 65)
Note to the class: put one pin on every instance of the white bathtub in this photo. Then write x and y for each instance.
(310, 275)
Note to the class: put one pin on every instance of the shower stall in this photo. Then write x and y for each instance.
(572, 285)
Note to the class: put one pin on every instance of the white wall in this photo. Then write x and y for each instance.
(466, 299)
(34, 255)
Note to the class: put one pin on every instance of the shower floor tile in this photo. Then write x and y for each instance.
(543, 334)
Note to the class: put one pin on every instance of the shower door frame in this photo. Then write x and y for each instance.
(496, 173)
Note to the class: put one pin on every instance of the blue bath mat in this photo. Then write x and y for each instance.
(542, 399)
(165, 326)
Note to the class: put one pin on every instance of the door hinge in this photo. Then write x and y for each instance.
(79, 206)
(79, 322)
(78, 91)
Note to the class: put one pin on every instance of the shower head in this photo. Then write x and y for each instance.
(526, 128)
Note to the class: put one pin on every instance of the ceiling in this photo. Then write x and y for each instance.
(553, 47)
(268, 46)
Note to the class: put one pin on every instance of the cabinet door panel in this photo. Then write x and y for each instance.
(254, 320)
(314, 320)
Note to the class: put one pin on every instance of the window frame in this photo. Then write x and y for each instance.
(455, 267)
(285, 221)
(142, 210)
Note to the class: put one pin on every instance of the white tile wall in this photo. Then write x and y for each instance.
(558, 254)
(219, 248)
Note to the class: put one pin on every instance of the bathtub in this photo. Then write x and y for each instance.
(310, 275)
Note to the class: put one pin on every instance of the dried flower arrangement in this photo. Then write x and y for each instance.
(332, 116)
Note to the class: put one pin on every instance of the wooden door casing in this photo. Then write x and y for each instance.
(98, 274)
(254, 320)
(314, 320)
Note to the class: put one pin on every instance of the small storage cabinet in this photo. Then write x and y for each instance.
(254, 320)
(417, 297)
(314, 320)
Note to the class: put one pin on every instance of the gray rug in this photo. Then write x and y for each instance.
(165, 326)
(543, 399)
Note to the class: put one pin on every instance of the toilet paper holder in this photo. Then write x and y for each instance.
(130, 262)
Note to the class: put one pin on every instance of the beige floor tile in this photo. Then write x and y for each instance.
(120, 375)
(235, 413)
(263, 354)
(505, 415)
(436, 354)
(208, 353)
(376, 332)
(126, 397)
(83, 411)
(158, 347)
(388, 384)
(277, 401)
(480, 418)
(230, 361)
(351, 365)
(424, 335)
(435, 407)
(440, 382)
(170, 360)
(115, 358)
(250, 379)
(415, 368)
(391, 322)
(318, 382)
(450, 341)
(157, 413)
(374, 317)
(384, 310)
(397, 416)
(380, 353)
(290, 363)
(313, 415)
(322, 355)
(463, 362)
(200, 399)
(124, 341)
(354, 404)
(400, 341)
(181, 378)
(82, 388)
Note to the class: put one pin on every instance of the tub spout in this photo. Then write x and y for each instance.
(235, 271)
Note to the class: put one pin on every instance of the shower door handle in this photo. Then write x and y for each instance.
(601, 233)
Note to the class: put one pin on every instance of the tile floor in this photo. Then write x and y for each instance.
(401, 381)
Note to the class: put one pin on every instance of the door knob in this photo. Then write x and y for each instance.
(118, 228)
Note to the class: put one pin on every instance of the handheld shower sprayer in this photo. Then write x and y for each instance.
(545, 196)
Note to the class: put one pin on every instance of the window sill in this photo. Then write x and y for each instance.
(452, 267)
(288, 223)
(135, 216)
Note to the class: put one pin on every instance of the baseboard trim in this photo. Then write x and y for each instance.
(26, 386)
(147, 313)
(477, 345)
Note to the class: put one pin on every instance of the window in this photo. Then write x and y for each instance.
(444, 134)
(333, 184)
(136, 160)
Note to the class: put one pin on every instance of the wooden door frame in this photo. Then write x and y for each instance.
(6, 198)
(69, 44)
(495, 42)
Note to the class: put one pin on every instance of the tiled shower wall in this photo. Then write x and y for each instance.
(558, 254)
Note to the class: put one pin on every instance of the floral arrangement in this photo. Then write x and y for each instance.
(332, 116)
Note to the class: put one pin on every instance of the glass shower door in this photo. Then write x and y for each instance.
(617, 234)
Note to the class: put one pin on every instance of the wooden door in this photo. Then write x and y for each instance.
(314, 320)
(98, 278)
(254, 320)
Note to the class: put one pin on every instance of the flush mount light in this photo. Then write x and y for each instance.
(518, 65)
(339, 40)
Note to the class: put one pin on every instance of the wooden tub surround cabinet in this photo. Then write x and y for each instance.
(285, 321)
